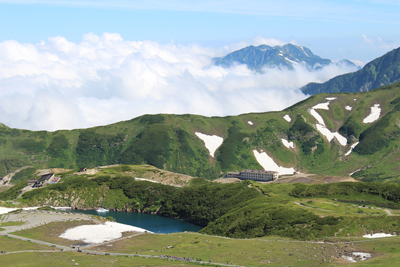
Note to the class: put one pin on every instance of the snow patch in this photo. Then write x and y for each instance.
(211, 142)
(304, 51)
(148, 180)
(321, 127)
(362, 255)
(99, 233)
(329, 135)
(350, 259)
(355, 99)
(348, 108)
(317, 116)
(287, 144)
(294, 62)
(375, 113)
(4, 210)
(269, 164)
(250, 122)
(351, 149)
(30, 208)
(379, 235)
(287, 118)
(322, 106)
(330, 98)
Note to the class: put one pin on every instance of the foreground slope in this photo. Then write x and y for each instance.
(334, 134)
(382, 71)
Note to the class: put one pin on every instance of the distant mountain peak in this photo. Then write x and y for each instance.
(258, 57)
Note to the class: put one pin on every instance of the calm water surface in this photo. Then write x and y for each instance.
(151, 222)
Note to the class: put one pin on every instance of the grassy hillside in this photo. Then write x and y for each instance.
(239, 210)
(169, 142)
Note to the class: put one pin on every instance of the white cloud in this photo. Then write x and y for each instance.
(380, 43)
(369, 41)
(103, 79)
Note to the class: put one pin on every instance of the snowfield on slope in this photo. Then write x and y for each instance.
(351, 149)
(374, 115)
(212, 142)
(287, 118)
(329, 135)
(269, 164)
(321, 127)
(317, 116)
(322, 106)
(287, 144)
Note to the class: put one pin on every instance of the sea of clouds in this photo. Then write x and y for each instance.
(59, 84)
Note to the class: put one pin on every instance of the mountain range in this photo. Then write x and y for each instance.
(379, 72)
(331, 134)
(259, 57)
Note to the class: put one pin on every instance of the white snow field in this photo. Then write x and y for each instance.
(317, 116)
(374, 115)
(379, 235)
(250, 122)
(269, 164)
(329, 135)
(287, 118)
(351, 149)
(287, 144)
(211, 142)
(348, 108)
(322, 106)
(321, 127)
(330, 98)
(99, 233)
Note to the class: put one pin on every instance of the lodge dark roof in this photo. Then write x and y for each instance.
(45, 177)
(258, 171)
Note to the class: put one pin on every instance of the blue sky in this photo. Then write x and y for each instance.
(76, 64)
(353, 29)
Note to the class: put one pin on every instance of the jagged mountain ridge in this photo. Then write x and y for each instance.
(170, 142)
(257, 57)
(379, 72)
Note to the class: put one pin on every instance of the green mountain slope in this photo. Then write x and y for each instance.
(257, 57)
(382, 71)
(169, 141)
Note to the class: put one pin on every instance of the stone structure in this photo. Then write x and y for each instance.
(255, 175)
(44, 180)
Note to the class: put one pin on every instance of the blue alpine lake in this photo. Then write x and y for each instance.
(150, 222)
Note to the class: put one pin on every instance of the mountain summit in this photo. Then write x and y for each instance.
(257, 57)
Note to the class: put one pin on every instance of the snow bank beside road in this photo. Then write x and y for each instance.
(379, 235)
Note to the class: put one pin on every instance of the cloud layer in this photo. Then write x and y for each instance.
(103, 79)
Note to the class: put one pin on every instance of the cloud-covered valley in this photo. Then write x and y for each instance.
(59, 84)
